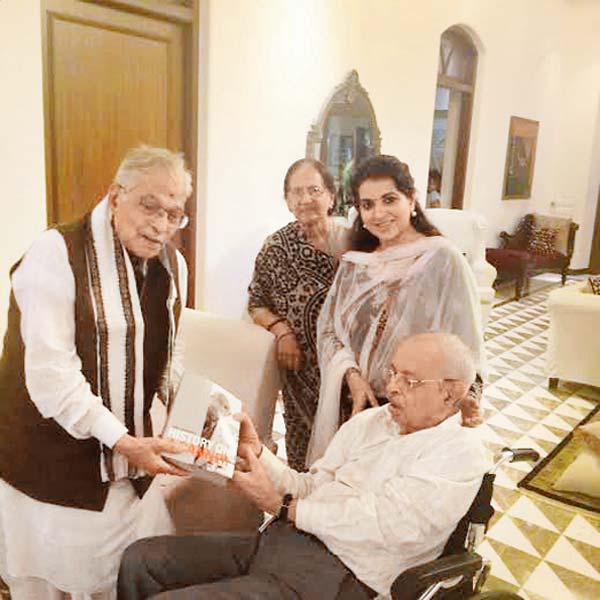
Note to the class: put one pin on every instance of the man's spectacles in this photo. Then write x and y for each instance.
(151, 206)
(314, 192)
(407, 383)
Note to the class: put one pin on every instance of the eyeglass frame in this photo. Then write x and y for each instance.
(159, 210)
(391, 374)
(314, 192)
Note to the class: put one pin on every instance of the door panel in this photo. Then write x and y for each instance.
(113, 80)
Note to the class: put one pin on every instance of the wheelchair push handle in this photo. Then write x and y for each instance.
(523, 454)
(514, 455)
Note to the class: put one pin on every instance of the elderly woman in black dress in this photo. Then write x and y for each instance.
(292, 275)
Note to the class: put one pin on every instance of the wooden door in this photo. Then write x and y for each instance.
(117, 74)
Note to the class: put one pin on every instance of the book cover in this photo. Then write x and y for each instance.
(202, 417)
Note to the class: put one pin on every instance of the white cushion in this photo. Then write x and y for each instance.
(590, 434)
(582, 475)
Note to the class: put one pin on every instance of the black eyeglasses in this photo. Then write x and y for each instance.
(151, 207)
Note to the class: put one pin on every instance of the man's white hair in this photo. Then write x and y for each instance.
(144, 157)
(457, 359)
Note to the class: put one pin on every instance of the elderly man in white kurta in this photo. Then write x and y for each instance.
(388, 492)
(92, 338)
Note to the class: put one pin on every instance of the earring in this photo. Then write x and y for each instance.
(413, 214)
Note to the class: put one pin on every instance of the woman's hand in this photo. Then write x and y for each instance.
(289, 354)
(471, 405)
(360, 390)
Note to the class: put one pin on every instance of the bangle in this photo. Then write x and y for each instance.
(274, 322)
(282, 335)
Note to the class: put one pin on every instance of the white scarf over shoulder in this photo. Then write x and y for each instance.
(120, 332)
(426, 285)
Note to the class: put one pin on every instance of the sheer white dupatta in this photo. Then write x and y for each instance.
(426, 285)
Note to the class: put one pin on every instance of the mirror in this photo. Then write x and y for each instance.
(345, 132)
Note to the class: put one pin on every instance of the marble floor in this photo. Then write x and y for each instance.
(542, 549)
(538, 549)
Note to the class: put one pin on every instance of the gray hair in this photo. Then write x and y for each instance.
(144, 157)
(458, 360)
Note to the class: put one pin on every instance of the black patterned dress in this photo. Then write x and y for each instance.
(291, 279)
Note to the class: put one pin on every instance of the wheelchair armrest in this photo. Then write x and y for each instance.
(415, 580)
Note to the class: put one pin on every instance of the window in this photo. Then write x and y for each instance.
(452, 119)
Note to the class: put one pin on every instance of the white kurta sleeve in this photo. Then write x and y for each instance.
(44, 289)
(411, 513)
(300, 485)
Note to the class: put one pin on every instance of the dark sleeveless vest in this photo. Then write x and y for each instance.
(37, 456)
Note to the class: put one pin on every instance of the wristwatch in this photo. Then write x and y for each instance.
(285, 507)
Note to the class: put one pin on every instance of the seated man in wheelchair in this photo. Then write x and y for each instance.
(387, 494)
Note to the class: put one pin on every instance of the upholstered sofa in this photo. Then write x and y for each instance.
(239, 356)
(573, 343)
(518, 258)
(467, 230)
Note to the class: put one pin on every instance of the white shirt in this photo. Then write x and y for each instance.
(381, 501)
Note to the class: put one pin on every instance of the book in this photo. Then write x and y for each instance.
(202, 417)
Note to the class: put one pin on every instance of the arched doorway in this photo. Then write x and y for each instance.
(452, 119)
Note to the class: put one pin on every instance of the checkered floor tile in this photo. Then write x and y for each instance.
(538, 549)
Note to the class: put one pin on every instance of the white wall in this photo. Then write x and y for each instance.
(273, 62)
(576, 165)
(268, 65)
(519, 71)
(22, 173)
(282, 60)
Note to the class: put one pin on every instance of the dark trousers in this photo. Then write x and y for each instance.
(281, 564)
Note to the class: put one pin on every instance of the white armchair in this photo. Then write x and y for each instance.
(239, 356)
(466, 229)
(573, 344)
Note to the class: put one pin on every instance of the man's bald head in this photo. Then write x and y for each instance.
(430, 376)
(453, 359)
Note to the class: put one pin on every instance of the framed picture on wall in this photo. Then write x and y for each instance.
(520, 158)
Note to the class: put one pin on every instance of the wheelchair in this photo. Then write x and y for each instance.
(460, 573)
